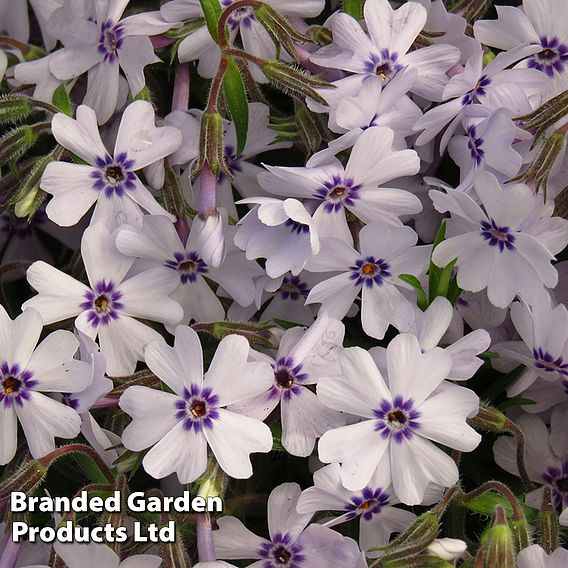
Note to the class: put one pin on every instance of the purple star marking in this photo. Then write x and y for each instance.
(15, 384)
(397, 419)
(198, 408)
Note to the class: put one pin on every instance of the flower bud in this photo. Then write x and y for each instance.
(211, 145)
(15, 143)
(421, 561)
(447, 548)
(321, 35)
(549, 529)
(500, 546)
(259, 335)
(211, 238)
(545, 116)
(490, 419)
(310, 128)
(294, 81)
(14, 108)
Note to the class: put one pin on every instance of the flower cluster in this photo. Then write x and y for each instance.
(332, 266)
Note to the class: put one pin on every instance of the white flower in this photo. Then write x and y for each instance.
(25, 373)
(540, 23)
(430, 326)
(110, 181)
(180, 426)
(354, 188)
(535, 557)
(447, 548)
(546, 455)
(93, 555)
(399, 420)
(291, 544)
(492, 249)
(386, 252)
(373, 504)
(158, 244)
(384, 51)
(97, 41)
(303, 356)
(283, 232)
(107, 308)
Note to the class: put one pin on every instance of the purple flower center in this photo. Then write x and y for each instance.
(293, 288)
(545, 361)
(553, 57)
(397, 419)
(557, 478)
(369, 271)
(110, 41)
(281, 552)
(479, 90)
(338, 193)
(497, 236)
(14, 384)
(475, 144)
(198, 408)
(102, 303)
(188, 264)
(240, 16)
(384, 65)
(370, 502)
(114, 176)
(286, 375)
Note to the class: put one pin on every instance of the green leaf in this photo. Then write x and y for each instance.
(61, 100)
(434, 273)
(499, 386)
(212, 11)
(422, 300)
(284, 323)
(236, 97)
(516, 401)
(353, 8)
(444, 279)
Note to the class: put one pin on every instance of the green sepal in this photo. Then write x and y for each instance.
(236, 98)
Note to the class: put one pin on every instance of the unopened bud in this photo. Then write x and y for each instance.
(321, 35)
(489, 419)
(27, 479)
(447, 548)
(420, 561)
(294, 81)
(15, 143)
(23, 207)
(500, 546)
(545, 116)
(14, 108)
(259, 335)
(548, 524)
(310, 128)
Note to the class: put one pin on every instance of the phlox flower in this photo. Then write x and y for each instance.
(283, 232)
(108, 306)
(158, 244)
(27, 371)
(303, 356)
(401, 416)
(386, 252)
(375, 504)
(353, 188)
(178, 426)
(492, 249)
(534, 556)
(546, 455)
(293, 542)
(108, 180)
(98, 42)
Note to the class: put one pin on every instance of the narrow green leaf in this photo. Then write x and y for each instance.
(236, 97)
(422, 300)
(516, 401)
(212, 11)
(444, 279)
(440, 235)
(499, 386)
(353, 8)
(434, 272)
(61, 100)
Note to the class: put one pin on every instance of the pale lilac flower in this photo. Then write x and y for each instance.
(476, 85)
(158, 244)
(545, 395)
(399, 420)
(199, 45)
(108, 180)
(30, 555)
(535, 557)
(546, 455)
(36, 72)
(93, 555)
(386, 252)
(383, 52)
(108, 306)
(539, 22)
(354, 188)
(430, 326)
(303, 357)
(543, 344)
(14, 20)
(447, 548)
(375, 504)
(97, 41)
(27, 371)
(491, 248)
(291, 544)
(283, 232)
(178, 427)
